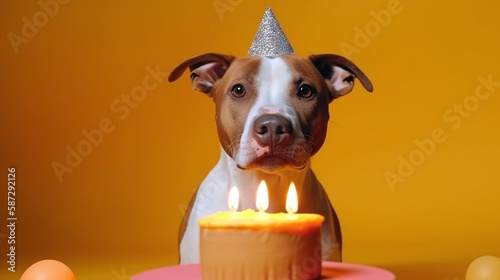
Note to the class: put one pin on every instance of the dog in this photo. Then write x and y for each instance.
(271, 115)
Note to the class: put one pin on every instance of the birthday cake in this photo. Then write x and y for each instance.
(251, 245)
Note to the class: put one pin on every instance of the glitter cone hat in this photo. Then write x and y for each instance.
(270, 39)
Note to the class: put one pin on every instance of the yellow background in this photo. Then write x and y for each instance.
(118, 211)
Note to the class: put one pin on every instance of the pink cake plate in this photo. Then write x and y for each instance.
(330, 271)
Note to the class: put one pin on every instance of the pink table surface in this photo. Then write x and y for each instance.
(330, 271)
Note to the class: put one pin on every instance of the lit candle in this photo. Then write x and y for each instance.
(292, 202)
(262, 200)
(234, 199)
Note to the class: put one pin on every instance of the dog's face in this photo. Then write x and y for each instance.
(272, 112)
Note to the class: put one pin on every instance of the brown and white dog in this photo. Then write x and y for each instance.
(272, 116)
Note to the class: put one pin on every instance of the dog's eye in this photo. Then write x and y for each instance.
(306, 92)
(238, 90)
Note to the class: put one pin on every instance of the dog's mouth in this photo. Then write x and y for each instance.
(274, 162)
(251, 155)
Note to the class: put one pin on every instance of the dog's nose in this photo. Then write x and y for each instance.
(272, 130)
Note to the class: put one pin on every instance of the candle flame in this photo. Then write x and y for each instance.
(234, 199)
(292, 204)
(262, 201)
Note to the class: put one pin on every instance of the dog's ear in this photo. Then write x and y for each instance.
(206, 70)
(339, 73)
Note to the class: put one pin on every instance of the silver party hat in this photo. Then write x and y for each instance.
(270, 39)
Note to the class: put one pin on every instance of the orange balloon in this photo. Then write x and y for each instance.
(48, 270)
(484, 268)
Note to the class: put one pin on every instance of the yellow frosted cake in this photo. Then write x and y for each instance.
(251, 245)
